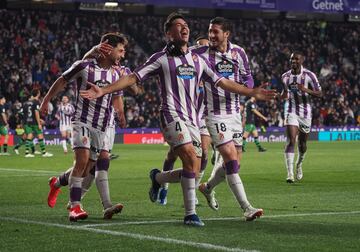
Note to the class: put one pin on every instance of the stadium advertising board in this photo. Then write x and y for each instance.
(328, 6)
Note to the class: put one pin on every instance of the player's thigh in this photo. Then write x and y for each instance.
(304, 125)
(235, 124)
(99, 141)
(178, 133)
(81, 136)
(220, 130)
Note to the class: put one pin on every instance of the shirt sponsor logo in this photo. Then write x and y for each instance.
(185, 71)
(102, 83)
(225, 68)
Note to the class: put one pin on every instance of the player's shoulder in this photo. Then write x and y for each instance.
(158, 55)
(199, 49)
(286, 74)
(307, 71)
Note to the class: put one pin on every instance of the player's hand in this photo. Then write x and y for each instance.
(104, 48)
(92, 93)
(44, 107)
(264, 94)
(40, 126)
(301, 87)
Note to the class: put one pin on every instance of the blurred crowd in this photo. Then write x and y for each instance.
(37, 46)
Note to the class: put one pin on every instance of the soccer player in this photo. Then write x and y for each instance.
(180, 71)
(4, 125)
(91, 117)
(222, 113)
(250, 128)
(33, 124)
(65, 111)
(299, 84)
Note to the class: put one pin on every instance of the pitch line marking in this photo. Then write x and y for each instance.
(218, 219)
(26, 170)
(131, 235)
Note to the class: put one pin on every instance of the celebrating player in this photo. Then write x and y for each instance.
(299, 84)
(180, 71)
(91, 117)
(64, 114)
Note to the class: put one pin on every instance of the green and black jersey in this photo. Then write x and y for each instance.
(29, 109)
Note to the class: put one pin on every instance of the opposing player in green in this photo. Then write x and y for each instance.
(250, 128)
(4, 125)
(32, 124)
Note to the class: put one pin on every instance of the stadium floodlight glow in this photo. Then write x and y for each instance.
(111, 4)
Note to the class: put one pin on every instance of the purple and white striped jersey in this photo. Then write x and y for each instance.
(233, 65)
(179, 82)
(94, 113)
(65, 113)
(299, 102)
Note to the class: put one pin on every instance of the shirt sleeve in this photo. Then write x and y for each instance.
(150, 67)
(244, 69)
(314, 81)
(73, 72)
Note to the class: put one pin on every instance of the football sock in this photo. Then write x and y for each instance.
(5, 148)
(172, 176)
(188, 187)
(235, 184)
(75, 190)
(21, 142)
(300, 158)
(102, 181)
(42, 146)
(63, 143)
(289, 159)
(217, 176)
(27, 146)
(256, 140)
(244, 143)
(168, 166)
(63, 179)
(87, 182)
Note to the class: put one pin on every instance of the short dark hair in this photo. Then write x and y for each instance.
(200, 37)
(170, 19)
(297, 52)
(35, 92)
(226, 25)
(114, 39)
(1, 96)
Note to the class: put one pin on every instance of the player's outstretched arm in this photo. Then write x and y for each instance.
(259, 114)
(56, 88)
(96, 92)
(259, 93)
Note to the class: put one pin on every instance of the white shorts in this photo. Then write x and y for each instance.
(178, 133)
(67, 128)
(224, 129)
(110, 137)
(85, 136)
(203, 129)
(304, 124)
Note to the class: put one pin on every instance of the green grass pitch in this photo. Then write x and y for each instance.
(320, 213)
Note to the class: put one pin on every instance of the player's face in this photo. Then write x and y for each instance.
(118, 53)
(296, 61)
(65, 99)
(217, 37)
(179, 31)
(202, 42)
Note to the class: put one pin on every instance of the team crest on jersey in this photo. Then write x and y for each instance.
(185, 71)
(195, 58)
(84, 140)
(102, 83)
(180, 137)
(225, 68)
(221, 136)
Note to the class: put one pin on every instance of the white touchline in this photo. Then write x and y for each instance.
(26, 170)
(219, 219)
(131, 235)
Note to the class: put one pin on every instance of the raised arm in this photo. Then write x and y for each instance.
(55, 89)
(95, 91)
(259, 93)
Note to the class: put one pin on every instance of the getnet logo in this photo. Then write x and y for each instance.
(328, 5)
